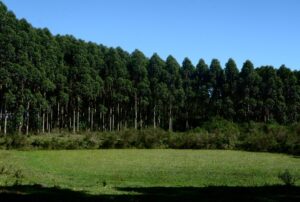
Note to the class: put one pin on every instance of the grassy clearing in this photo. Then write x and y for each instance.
(106, 171)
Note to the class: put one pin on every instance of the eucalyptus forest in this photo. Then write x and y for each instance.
(59, 82)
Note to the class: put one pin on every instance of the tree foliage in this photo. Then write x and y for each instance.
(58, 82)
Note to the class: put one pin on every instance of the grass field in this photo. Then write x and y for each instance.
(136, 172)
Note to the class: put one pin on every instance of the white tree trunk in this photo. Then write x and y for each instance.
(187, 126)
(118, 120)
(89, 114)
(141, 120)
(74, 121)
(27, 125)
(5, 121)
(43, 122)
(125, 120)
(92, 119)
(121, 121)
(47, 122)
(135, 111)
(78, 118)
(110, 118)
(159, 122)
(58, 116)
(113, 119)
(20, 125)
(170, 118)
(100, 117)
(154, 116)
(27, 120)
(103, 121)
(51, 121)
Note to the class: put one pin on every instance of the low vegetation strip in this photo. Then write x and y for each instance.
(215, 134)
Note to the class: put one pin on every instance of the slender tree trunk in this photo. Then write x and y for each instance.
(27, 125)
(58, 116)
(113, 119)
(74, 121)
(154, 116)
(170, 118)
(78, 118)
(20, 125)
(43, 122)
(92, 119)
(51, 120)
(135, 111)
(110, 117)
(47, 121)
(159, 119)
(141, 120)
(1, 120)
(89, 117)
(118, 119)
(5, 121)
(27, 119)
(187, 121)
(103, 121)
(100, 117)
(62, 117)
(38, 121)
(125, 121)
(121, 119)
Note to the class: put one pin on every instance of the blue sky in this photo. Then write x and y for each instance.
(265, 31)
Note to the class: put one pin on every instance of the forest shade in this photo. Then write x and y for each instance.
(59, 82)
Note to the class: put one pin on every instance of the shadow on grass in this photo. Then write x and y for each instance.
(266, 193)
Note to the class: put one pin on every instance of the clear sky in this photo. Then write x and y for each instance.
(265, 31)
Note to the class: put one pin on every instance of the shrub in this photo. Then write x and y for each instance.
(13, 174)
(287, 178)
(225, 133)
(215, 134)
(152, 138)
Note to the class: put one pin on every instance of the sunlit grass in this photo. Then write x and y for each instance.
(101, 171)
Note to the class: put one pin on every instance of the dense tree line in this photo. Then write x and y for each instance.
(59, 82)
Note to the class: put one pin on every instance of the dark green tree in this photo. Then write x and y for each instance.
(140, 84)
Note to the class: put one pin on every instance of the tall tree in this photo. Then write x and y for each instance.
(201, 89)
(187, 73)
(230, 89)
(291, 93)
(155, 69)
(248, 91)
(216, 82)
(175, 91)
(139, 77)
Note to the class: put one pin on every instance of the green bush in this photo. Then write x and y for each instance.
(15, 141)
(215, 134)
(287, 178)
(225, 133)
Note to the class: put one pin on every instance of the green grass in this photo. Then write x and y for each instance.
(89, 170)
